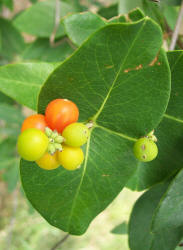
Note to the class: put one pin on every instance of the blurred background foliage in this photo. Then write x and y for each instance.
(27, 33)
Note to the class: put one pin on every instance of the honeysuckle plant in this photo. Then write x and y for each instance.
(115, 65)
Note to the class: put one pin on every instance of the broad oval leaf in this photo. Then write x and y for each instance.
(80, 26)
(109, 11)
(169, 134)
(111, 78)
(12, 42)
(140, 235)
(22, 81)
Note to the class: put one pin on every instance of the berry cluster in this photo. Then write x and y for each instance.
(55, 138)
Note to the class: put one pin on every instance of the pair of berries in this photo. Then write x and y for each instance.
(55, 138)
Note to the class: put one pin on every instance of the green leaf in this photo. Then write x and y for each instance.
(133, 16)
(12, 42)
(109, 12)
(81, 25)
(104, 79)
(140, 236)
(23, 81)
(120, 229)
(169, 213)
(39, 19)
(169, 134)
(40, 50)
(136, 15)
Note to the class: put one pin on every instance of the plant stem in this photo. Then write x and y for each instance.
(60, 242)
(57, 22)
(177, 28)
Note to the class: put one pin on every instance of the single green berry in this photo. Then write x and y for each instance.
(32, 144)
(145, 149)
(76, 134)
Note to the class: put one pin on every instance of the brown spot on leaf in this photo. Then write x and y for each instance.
(109, 66)
(153, 61)
(136, 68)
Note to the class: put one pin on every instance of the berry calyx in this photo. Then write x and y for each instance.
(145, 150)
(55, 141)
(151, 136)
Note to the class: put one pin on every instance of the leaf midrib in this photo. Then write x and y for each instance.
(173, 118)
(81, 181)
(124, 61)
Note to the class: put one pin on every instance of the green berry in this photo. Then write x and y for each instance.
(76, 134)
(145, 149)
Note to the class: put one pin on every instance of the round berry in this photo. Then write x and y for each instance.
(145, 149)
(48, 161)
(70, 158)
(76, 134)
(34, 121)
(32, 144)
(60, 113)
